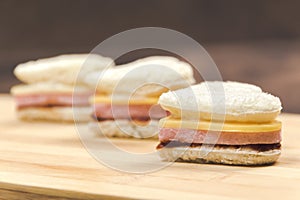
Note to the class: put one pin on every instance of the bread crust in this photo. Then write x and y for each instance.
(125, 128)
(57, 114)
(220, 155)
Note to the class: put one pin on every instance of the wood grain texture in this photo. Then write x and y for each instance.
(47, 161)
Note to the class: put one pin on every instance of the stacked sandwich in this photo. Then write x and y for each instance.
(220, 122)
(49, 91)
(126, 101)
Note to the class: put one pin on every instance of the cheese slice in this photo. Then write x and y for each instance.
(169, 122)
(121, 100)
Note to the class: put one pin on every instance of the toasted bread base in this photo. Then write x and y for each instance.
(57, 114)
(125, 128)
(220, 155)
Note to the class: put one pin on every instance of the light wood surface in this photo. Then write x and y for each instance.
(48, 161)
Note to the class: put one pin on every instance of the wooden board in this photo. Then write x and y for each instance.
(48, 161)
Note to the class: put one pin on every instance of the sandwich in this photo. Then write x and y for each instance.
(125, 104)
(220, 122)
(53, 88)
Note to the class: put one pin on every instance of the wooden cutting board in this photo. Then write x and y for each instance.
(48, 161)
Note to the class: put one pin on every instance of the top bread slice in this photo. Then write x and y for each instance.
(232, 100)
(63, 69)
(149, 76)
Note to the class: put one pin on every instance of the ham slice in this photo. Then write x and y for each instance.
(140, 112)
(225, 138)
(52, 100)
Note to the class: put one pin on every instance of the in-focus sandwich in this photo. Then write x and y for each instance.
(49, 91)
(126, 101)
(236, 122)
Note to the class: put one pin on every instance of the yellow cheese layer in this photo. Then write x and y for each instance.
(124, 100)
(217, 126)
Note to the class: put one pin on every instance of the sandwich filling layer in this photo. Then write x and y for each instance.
(224, 138)
(50, 100)
(139, 112)
(142, 109)
(254, 147)
(50, 94)
(175, 132)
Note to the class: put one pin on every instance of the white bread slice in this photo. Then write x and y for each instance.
(125, 128)
(57, 114)
(220, 155)
(146, 77)
(63, 68)
(235, 101)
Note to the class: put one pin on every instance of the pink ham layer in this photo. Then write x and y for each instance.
(108, 111)
(225, 138)
(52, 99)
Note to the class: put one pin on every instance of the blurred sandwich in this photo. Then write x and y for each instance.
(220, 122)
(126, 101)
(54, 89)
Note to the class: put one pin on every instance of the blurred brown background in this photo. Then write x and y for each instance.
(255, 41)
